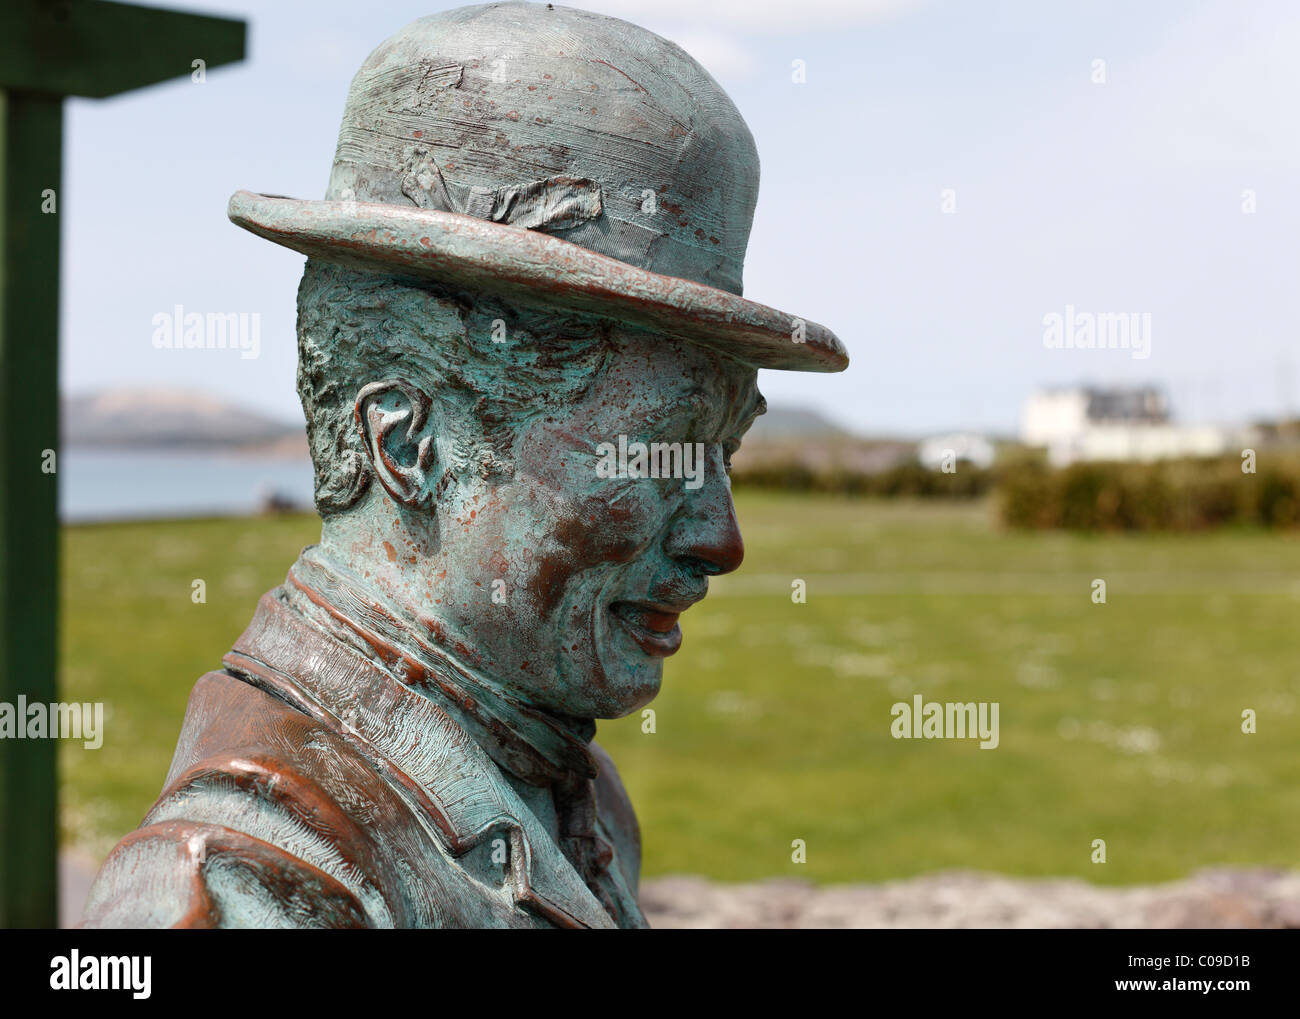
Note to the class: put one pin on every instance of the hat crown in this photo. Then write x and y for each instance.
(558, 120)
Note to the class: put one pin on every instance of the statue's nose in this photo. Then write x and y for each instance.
(705, 537)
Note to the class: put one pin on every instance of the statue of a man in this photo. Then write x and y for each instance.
(525, 363)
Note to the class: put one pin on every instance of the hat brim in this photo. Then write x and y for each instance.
(537, 268)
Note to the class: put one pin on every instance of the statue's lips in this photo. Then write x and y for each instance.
(653, 627)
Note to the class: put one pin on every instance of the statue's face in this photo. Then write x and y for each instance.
(565, 582)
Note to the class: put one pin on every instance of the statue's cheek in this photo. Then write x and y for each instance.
(589, 533)
(626, 518)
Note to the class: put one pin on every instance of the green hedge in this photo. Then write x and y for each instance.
(1172, 495)
(909, 479)
(1181, 495)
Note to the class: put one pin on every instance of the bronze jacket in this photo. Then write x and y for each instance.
(312, 789)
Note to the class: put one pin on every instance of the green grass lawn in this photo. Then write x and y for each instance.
(1119, 721)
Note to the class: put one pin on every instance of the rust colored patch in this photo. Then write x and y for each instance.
(416, 674)
(392, 552)
(639, 86)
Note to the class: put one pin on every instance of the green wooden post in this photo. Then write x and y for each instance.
(50, 49)
(31, 127)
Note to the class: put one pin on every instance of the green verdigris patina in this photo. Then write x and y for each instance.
(525, 362)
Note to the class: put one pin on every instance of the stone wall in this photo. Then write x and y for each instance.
(1209, 899)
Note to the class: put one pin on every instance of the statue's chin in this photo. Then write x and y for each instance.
(633, 673)
(608, 666)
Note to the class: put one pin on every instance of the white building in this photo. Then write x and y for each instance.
(1090, 423)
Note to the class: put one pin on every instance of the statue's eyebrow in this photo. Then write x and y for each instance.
(720, 415)
(738, 423)
(754, 407)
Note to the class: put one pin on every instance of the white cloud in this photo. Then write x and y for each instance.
(752, 16)
(724, 35)
(1222, 90)
(324, 54)
(721, 56)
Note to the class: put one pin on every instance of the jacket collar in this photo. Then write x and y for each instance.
(420, 747)
(537, 746)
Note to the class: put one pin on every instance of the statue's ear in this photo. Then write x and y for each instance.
(393, 419)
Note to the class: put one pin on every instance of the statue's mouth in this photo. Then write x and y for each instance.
(652, 626)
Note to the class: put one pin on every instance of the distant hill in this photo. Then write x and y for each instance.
(170, 418)
(782, 423)
(786, 438)
(155, 418)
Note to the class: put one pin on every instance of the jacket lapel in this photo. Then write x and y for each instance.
(419, 746)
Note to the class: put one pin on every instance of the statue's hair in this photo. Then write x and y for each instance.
(356, 327)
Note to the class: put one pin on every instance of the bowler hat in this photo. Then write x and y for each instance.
(558, 157)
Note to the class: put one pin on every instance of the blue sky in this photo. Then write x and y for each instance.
(1122, 196)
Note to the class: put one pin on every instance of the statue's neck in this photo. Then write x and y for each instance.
(546, 758)
(529, 743)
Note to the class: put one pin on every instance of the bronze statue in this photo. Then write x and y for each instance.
(525, 363)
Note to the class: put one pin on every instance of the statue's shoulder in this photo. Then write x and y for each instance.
(267, 818)
(272, 817)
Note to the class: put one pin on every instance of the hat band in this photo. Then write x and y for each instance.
(553, 203)
(550, 205)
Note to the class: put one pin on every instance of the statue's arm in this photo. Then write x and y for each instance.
(192, 874)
